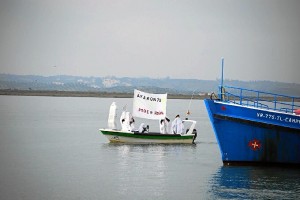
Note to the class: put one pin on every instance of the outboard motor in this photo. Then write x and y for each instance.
(194, 132)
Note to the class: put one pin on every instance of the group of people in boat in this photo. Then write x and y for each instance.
(177, 126)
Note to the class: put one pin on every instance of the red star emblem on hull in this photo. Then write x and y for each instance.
(254, 144)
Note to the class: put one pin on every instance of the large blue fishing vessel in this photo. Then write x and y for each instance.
(254, 127)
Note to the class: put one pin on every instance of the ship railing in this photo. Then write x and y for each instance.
(259, 99)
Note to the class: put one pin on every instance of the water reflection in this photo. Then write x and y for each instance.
(141, 170)
(255, 183)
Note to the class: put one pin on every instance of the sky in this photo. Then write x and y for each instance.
(185, 39)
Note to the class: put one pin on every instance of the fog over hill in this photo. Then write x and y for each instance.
(127, 85)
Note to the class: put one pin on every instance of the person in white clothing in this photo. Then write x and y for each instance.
(164, 125)
(131, 121)
(127, 121)
(177, 125)
(122, 121)
(143, 128)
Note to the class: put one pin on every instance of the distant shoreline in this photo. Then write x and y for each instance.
(86, 94)
(99, 94)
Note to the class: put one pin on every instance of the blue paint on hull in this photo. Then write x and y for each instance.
(252, 135)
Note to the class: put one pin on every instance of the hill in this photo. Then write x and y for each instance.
(128, 84)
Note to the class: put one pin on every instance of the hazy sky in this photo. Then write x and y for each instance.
(259, 39)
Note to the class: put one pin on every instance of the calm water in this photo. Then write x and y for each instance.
(50, 148)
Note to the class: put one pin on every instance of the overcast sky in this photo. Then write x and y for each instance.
(259, 39)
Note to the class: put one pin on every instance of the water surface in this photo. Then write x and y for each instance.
(50, 148)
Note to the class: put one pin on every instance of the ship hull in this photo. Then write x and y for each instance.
(252, 136)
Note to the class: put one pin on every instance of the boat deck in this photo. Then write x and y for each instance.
(155, 134)
(259, 99)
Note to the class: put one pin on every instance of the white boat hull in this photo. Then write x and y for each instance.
(120, 139)
(152, 138)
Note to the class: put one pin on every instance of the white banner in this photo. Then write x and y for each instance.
(149, 106)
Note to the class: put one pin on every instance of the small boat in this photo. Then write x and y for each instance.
(254, 127)
(151, 107)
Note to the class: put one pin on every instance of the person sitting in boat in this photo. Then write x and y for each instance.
(177, 125)
(143, 128)
(164, 125)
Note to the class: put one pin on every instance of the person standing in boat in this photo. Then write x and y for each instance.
(127, 121)
(131, 122)
(164, 125)
(122, 121)
(177, 125)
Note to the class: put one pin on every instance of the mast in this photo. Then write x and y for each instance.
(222, 72)
(221, 95)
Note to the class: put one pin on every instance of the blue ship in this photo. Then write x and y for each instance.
(254, 127)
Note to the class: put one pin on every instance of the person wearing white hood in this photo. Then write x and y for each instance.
(127, 121)
(164, 125)
(177, 125)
